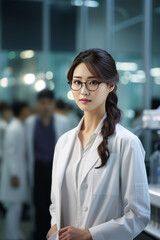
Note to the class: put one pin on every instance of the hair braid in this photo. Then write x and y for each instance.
(108, 128)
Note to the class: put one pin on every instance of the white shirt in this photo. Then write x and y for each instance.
(72, 178)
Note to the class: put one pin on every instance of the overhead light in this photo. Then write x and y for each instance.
(89, 3)
(77, 3)
(4, 82)
(39, 85)
(127, 66)
(86, 3)
(41, 75)
(141, 74)
(12, 55)
(124, 80)
(155, 72)
(51, 85)
(70, 95)
(49, 75)
(29, 78)
(27, 54)
(157, 80)
(135, 78)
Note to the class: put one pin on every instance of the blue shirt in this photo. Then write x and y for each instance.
(44, 140)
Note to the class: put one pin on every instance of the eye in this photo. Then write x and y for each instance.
(93, 82)
(77, 82)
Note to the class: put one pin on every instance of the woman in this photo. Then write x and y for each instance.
(99, 184)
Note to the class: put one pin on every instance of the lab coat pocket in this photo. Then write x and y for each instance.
(53, 237)
(106, 178)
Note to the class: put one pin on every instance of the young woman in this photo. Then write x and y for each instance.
(99, 184)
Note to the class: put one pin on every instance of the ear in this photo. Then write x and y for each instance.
(111, 87)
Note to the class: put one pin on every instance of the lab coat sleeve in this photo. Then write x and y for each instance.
(11, 148)
(52, 208)
(135, 197)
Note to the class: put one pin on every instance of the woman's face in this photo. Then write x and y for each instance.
(90, 100)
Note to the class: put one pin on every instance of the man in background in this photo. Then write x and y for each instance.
(43, 130)
(6, 115)
(14, 171)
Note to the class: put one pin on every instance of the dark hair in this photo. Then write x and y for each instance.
(18, 106)
(102, 65)
(46, 93)
(4, 106)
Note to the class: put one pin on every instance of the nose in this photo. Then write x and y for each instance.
(84, 90)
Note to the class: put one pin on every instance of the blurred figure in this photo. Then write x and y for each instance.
(14, 171)
(43, 130)
(66, 109)
(6, 115)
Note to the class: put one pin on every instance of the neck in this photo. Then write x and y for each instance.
(46, 120)
(91, 120)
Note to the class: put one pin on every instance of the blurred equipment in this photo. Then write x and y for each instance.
(151, 129)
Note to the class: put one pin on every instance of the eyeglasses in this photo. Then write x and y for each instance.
(91, 85)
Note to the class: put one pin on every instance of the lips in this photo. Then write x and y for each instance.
(84, 100)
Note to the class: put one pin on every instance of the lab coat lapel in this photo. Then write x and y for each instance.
(92, 158)
(66, 152)
(64, 157)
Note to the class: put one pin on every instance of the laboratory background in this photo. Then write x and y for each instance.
(39, 40)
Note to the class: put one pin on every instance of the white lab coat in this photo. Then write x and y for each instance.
(61, 125)
(3, 126)
(115, 204)
(14, 163)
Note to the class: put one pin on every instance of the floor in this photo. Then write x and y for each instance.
(25, 228)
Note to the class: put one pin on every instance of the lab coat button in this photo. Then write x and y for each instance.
(85, 209)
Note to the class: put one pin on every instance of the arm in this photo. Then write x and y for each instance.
(135, 197)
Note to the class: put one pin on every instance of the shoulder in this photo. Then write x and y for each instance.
(13, 126)
(66, 137)
(30, 120)
(60, 118)
(124, 133)
(127, 140)
(3, 124)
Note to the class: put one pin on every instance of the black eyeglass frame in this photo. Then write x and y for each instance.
(70, 84)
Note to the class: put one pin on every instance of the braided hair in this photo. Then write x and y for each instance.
(102, 65)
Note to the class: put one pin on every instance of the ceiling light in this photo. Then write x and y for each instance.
(127, 66)
(155, 72)
(70, 95)
(29, 78)
(49, 75)
(27, 54)
(39, 85)
(89, 3)
(4, 82)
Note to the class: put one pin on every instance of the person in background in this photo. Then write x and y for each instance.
(14, 171)
(99, 183)
(43, 130)
(69, 111)
(6, 115)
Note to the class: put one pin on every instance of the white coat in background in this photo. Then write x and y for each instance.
(115, 204)
(61, 125)
(14, 163)
(3, 127)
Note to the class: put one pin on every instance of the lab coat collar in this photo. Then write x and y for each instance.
(97, 130)
(68, 146)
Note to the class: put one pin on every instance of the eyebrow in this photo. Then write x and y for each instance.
(91, 77)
